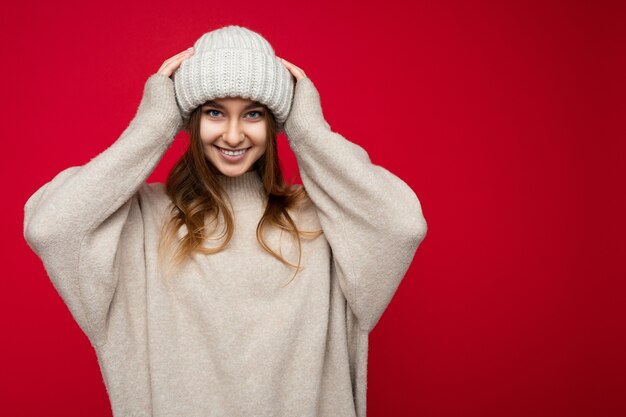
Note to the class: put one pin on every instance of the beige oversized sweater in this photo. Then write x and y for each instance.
(222, 337)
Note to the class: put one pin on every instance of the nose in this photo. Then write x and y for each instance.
(234, 135)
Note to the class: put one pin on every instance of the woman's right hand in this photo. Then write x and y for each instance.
(171, 64)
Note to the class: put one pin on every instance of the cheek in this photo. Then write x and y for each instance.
(257, 131)
(208, 133)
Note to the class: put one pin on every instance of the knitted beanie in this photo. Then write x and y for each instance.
(234, 61)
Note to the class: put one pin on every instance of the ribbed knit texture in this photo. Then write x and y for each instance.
(234, 61)
(221, 336)
(243, 189)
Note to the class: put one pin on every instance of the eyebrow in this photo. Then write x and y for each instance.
(215, 104)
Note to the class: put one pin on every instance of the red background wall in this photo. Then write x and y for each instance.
(506, 118)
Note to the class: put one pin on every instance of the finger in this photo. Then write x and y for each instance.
(174, 61)
(177, 58)
(180, 55)
(300, 72)
(183, 56)
(294, 67)
(290, 64)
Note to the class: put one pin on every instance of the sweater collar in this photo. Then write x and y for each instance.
(244, 188)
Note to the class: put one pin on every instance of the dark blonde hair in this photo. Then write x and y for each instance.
(196, 193)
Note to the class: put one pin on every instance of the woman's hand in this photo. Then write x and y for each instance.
(306, 110)
(296, 71)
(170, 65)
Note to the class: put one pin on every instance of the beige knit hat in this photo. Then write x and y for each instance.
(234, 61)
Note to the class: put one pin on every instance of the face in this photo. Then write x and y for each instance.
(233, 125)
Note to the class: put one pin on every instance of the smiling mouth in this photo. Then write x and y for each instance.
(236, 154)
(232, 150)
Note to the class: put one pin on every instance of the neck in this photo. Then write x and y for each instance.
(243, 189)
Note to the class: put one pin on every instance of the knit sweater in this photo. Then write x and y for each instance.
(222, 336)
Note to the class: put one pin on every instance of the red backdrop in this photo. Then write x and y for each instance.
(505, 118)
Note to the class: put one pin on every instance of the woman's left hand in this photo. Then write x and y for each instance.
(296, 71)
(306, 109)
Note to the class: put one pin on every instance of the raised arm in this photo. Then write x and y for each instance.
(74, 222)
(372, 219)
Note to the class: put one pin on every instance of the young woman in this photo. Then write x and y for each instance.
(225, 291)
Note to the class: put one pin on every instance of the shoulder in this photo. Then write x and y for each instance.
(154, 196)
(305, 211)
(153, 190)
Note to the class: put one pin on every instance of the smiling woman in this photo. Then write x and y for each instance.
(232, 140)
(235, 136)
(272, 316)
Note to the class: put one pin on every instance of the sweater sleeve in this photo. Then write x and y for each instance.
(74, 222)
(372, 219)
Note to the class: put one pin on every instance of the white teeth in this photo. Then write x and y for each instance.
(231, 153)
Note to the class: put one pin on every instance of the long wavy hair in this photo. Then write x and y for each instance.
(197, 196)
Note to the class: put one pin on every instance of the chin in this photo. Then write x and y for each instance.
(232, 171)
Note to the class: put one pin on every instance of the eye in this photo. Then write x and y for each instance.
(211, 110)
(260, 113)
(212, 113)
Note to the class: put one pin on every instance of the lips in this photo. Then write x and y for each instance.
(232, 158)
(232, 150)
